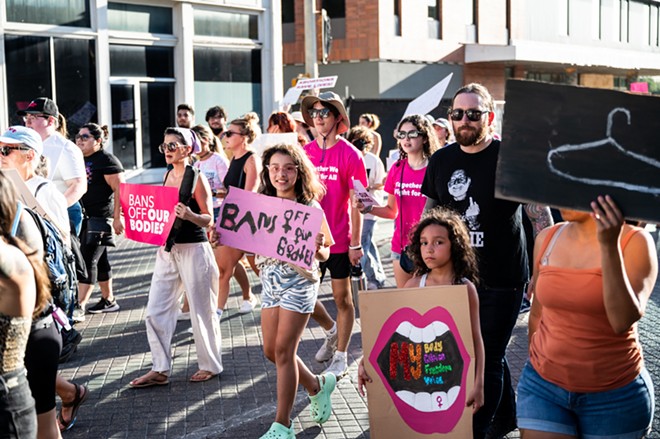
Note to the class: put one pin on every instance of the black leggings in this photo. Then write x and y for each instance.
(96, 260)
(41, 358)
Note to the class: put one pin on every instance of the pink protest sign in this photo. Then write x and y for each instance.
(639, 87)
(148, 211)
(269, 226)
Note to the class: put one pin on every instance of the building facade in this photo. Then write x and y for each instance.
(128, 63)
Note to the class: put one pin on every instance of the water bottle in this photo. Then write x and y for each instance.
(358, 282)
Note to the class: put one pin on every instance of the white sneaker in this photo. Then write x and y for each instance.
(247, 306)
(328, 348)
(78, 314)
(339, 366)
(183, 316)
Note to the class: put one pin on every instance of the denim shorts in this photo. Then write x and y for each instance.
(623, 413)
(396, 256)
(18, 417)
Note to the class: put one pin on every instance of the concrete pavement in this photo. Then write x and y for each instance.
(241, 403)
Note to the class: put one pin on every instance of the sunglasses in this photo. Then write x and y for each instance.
(84, 137)
(410, 134)
(6, 150)
(228, 134)
(473, 115)
(287, 169)
(169, 147)
(323, 113)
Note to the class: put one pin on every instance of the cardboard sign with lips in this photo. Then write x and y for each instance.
(418, 349)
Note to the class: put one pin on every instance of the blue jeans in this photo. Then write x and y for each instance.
(624, 413)
(75, 217)
(371, 264)
(18, 417)
(498, 312)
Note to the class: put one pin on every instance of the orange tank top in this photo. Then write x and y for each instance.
(574, 346)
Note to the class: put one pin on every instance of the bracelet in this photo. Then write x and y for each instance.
(357, 247)
(367, 209)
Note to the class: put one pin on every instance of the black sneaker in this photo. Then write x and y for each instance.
(104, 305)
(70, 341)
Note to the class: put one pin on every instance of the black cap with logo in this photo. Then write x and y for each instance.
(40, 106)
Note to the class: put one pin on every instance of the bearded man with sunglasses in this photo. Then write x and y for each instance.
(461, 176)
(337, 163)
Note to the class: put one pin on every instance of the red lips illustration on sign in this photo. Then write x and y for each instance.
(423, 364)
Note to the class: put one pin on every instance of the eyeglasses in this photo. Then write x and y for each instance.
(323, 113)
(287, 169)
(84, 137)
(6, 150)
(169, 147)
(228, 134)
(34, 116)
(413, 134)
(473, 115)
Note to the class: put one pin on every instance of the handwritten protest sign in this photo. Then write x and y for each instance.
(430, 99)
(323, 82)
(148, 211)
(291, 96)
(579, 143)
(270, 226)
(419, 352)
(362, 194)
(266, 140)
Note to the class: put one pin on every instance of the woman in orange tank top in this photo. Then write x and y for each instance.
(593, 276)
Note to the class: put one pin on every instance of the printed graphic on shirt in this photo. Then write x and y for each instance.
(327, 173)
(407, 189)
(458, 187)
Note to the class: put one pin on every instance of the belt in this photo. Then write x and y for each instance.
(43, 323)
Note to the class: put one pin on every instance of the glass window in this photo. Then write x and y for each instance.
(58, 12)
(228, 77)
(335, 8)
(138, 18)
(288, 11)
(143, 61)
(397, 18)
(434, 18)
(226, 24)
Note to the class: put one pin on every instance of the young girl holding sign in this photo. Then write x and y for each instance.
(289, 293)
(441, 252)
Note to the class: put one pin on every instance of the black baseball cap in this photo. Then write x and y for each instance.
(40, 106)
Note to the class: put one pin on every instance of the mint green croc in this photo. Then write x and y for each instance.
(279, 431)
(321, 403)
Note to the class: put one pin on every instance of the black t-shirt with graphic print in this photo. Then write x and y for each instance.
(466, 183)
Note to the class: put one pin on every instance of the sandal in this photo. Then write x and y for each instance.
(150, 379)
(321, 404)
(81, 396)
(279, 431)
(202, 375)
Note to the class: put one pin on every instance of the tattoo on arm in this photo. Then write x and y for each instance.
(539, 216)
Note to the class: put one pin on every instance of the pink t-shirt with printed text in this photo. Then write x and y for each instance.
(410, 203)
(337, 168)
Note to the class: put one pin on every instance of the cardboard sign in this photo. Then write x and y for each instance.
(418, 350)
(266, 140)
(291, 97)
(311, 83)
(148, 211)
(270, 226)
(565, 145)
(363, 194)
(430, 99)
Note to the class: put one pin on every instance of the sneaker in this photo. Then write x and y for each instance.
(279, 431)
(70, 341)
(104, 305)
(320, 406)
(78, 314)
(328, 349)
(525, 306)
(183, 316)
(339, 365)
(247, 306)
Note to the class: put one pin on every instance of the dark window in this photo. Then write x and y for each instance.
(435, 30)
(226, 24)
(149, 61)
(288, 11)
(226, 65)
(138, 18)
(335, 8)
(397, 18)
(58, 12)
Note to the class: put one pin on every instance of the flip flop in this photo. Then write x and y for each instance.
(75, 404)
(202, 375)
(142, 382)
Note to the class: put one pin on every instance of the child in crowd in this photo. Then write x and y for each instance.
(441, 252)
(289, 293)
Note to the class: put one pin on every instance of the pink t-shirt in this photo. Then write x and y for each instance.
(214, 168)
(410, 203)
(340, 165)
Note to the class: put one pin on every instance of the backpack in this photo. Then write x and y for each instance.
(60, 262)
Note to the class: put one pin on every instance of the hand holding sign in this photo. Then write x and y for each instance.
(363, 196)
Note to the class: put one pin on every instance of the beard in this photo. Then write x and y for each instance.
(469, 136)
(217, 131)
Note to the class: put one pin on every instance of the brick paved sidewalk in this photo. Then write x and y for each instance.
(241, 403)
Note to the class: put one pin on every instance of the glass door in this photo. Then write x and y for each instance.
(125, 125)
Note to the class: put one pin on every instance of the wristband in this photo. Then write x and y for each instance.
(357, 247)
